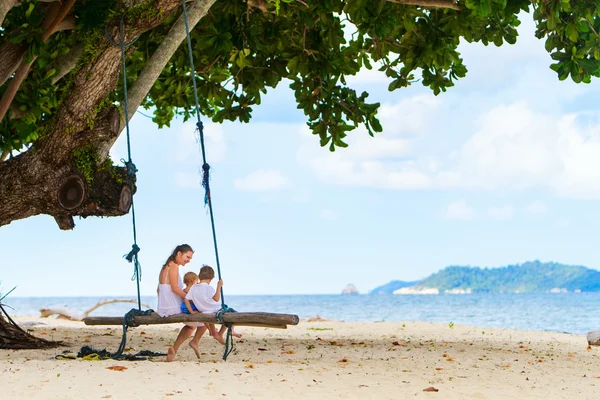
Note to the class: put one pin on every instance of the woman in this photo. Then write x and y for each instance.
(171, 294)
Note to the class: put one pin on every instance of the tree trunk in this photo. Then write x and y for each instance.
(13, 337)
(64, 174)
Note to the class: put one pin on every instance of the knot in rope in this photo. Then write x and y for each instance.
(127, 322)
(135, 249)
(130, 167)
(229, 345)
(205, 182)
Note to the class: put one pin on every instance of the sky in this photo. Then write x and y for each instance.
(502, 169)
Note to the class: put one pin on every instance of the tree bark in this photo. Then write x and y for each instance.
(13, 337)
(451, 4)
(237, 318)
(5, 6)
(30, 183)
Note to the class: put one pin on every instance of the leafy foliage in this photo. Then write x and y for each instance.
(243, 48)
(532, 276)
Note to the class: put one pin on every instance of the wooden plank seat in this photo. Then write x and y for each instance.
(260, 319)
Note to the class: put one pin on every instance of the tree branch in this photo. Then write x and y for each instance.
(65, 64)
(5, 6)
(163, 54)
(451, 4)
(49, 25)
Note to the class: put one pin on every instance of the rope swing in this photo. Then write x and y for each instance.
(206, 184)
(225, 316)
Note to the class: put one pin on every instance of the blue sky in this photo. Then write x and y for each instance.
(501, 169)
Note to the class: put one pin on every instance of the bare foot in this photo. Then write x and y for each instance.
(171, 353)
(194, 346)
(219, 338)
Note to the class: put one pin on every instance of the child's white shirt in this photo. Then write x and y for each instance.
(201, 294)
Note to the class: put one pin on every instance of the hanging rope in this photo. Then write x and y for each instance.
(206, 184)
(130, 167)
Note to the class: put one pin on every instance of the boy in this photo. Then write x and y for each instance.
(206, 300)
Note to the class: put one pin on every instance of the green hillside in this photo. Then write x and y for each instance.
(532, 276)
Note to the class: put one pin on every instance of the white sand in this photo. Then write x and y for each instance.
(314, 360)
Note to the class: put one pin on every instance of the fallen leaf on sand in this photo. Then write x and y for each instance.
(288, 352)
(117, 368)
(431, 389)
(262, 349)
(439, 369)
(398, 344)
(250, 366)
(343, 360)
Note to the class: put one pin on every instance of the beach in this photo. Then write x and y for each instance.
(323, 359)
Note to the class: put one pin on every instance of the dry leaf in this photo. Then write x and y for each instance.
(117, 368)
(398, 344)
(431, 389)
(439, 369)
(343, 360)
(288, 352)
(262, 349)
(250, 366)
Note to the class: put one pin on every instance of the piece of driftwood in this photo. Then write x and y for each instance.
(66, 313)
(593, 338)
(268, 320)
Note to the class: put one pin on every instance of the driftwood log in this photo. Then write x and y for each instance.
(593, 338)
(66, 313)
(268, 320)
(13, 337)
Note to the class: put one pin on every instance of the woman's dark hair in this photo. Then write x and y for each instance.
(182, 248)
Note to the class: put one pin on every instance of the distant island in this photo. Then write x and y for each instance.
(529, 277)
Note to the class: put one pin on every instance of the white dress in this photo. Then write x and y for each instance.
(169, 303)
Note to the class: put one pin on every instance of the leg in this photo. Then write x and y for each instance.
(184, 333)
(234, 333)
(218, 336)
(196, 339)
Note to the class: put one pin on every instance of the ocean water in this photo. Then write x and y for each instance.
(559, 312)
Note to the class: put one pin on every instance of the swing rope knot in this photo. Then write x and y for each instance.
(205, 182)
(135, 249)
(130, 167)
(229, 345)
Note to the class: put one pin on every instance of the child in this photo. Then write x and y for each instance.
(206, 300)
(190, 279)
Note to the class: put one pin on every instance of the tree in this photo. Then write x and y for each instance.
(61, 105)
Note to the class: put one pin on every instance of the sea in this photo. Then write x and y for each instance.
(575, 313)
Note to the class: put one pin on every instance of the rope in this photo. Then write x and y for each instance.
(130, 167)
(206, 185)
(229, 345)
(88, 353)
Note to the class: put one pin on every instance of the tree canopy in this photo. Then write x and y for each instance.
(61, 97)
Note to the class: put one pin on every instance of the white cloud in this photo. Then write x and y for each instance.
(501, 213)
(261, 181)
(459, 210)
(382, 161)
(536, 208)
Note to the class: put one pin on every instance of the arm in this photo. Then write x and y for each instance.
(173, 281)
(217, 295)
(189, 306)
